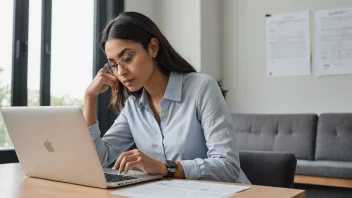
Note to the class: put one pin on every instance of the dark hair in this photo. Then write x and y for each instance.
(139, 28)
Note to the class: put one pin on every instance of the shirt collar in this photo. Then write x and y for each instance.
(143, 100)
(173, 89)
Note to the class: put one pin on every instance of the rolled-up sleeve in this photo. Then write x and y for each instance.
(222, 163)
(116, 140)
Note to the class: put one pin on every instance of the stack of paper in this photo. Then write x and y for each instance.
(181, 188)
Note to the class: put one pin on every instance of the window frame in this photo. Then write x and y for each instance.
(20, 53)
(45, 53)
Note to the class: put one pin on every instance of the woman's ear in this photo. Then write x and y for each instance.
(153, 47)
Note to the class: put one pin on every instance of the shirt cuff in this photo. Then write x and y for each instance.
(94, 131)
(191, 168)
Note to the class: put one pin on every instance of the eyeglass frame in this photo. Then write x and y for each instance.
(116, 65)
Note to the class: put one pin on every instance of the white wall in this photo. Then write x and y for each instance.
(180, 22)
(211, 37)
(227, 39)
(149, 8)
(244, 64)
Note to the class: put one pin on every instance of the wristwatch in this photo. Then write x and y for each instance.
(171, 168)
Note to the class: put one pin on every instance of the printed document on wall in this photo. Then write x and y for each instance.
(333, 44)
(288, 44)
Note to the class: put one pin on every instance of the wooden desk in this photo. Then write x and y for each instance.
(14, 184)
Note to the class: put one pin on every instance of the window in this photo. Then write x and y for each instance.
(71, 51)
(50, 58)
(6, 35)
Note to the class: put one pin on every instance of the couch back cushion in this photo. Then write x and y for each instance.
(293, 133)
(334, 137)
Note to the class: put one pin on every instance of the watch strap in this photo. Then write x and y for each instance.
(171, 168)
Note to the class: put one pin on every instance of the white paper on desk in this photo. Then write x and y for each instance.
(333, 43)
(288, 44)
(181, 188)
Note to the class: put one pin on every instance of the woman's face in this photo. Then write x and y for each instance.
(136, 65)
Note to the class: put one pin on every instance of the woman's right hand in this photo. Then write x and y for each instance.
(101, 83)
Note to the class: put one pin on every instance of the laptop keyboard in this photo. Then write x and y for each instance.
(116, 178)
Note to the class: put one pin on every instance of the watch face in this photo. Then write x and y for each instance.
(171, 165)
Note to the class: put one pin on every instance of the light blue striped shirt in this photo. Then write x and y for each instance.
(196, 129)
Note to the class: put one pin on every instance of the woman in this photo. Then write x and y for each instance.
(176, 117)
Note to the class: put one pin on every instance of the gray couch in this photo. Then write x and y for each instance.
(322, 143)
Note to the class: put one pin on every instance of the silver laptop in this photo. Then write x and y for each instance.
(54, 143)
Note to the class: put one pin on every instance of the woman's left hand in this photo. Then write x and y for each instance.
(135, 158)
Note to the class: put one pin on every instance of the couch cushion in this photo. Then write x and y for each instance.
(293, 133)
(335, 169)
(334, 137)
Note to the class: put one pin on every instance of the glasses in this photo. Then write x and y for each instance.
(125, 62)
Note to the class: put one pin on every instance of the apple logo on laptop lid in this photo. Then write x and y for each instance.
(48, 146)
